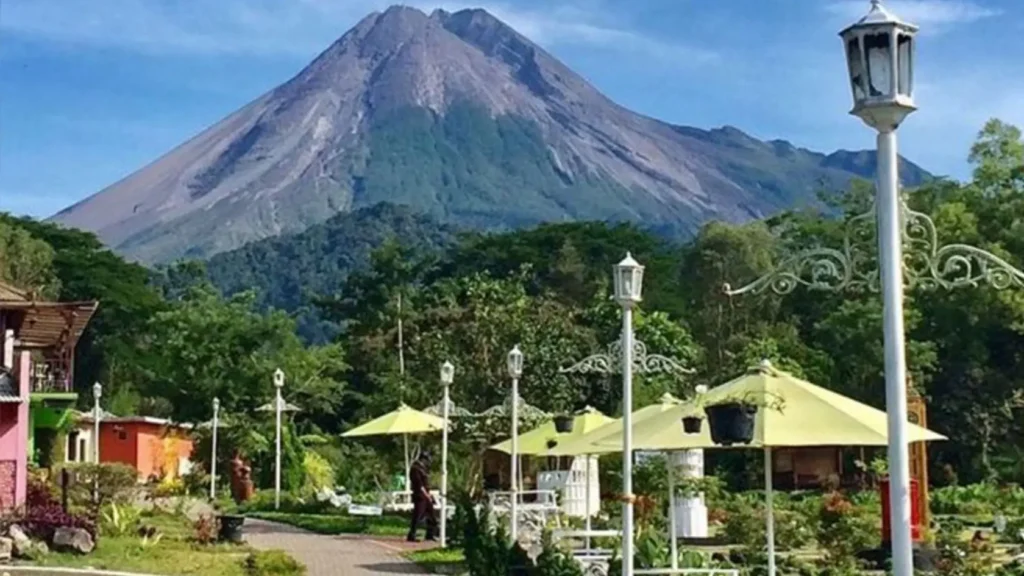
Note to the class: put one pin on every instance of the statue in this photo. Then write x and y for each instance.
(241, 479)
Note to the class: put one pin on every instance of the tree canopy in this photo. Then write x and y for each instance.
(167, 342)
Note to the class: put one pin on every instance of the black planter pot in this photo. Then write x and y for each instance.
(230, 528)
(731, 423)
(563, 424)
(691, 424)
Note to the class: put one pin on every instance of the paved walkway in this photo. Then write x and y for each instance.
(330, 555)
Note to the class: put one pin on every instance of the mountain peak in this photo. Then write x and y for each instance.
(456, 115)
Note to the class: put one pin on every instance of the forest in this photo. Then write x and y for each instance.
(166, 342)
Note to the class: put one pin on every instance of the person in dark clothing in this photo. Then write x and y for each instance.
(422, 501)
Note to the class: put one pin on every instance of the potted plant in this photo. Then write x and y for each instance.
(563, 423)
(230, 528)
(731, 421)
(691, 424)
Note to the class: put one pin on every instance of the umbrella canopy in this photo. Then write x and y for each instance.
(535, 442)
(584, 444)
(792, 412)
(404, 420)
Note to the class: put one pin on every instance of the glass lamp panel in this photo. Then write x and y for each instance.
(905, 59)
(637, 283)
(879, 59)
(858, 80)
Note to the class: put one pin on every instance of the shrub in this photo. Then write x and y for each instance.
(119, 521)
(169, 487)
(114, 483)
(318, 472)
(272, 563)
(844, 530)
(43, 514)
(204, 530)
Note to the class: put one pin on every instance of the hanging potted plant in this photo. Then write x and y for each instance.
(732, 421)
(563, 423)
(691, 424)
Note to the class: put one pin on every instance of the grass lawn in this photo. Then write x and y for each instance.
(439, 561)
(172, 554)
(340, 524)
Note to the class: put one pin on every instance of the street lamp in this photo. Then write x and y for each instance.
(880, 58)
(213, 451)
(515, 370)
(447, 377)
(629, 276)
(97, 393)
(278, 405)
(626, 355)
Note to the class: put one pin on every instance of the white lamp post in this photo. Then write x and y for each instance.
(97, 393)
(278, 405)
(447, 377)
(97, 413)
(880, 57)
(629, 275)
(515, 370)
(213, 451)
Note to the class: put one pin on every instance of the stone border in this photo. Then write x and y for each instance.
(46, 571)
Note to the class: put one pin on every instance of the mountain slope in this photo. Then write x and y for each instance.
(287, 269)
(458, 116)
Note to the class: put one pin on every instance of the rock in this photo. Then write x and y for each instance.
(73, 540)
(6, 549)
(22, 543)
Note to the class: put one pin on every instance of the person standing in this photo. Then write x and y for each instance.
(422, 501)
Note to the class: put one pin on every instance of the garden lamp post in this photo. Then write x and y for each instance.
(515, 370)
(447, 377)
(97, 394)
(97, 415)
(628, 277)
(627, 355)
(880, 58)
(278, 405)
(213, 451)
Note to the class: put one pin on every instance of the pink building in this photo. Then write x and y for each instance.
(36, 393)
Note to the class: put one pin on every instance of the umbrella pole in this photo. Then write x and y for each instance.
(769, 515)
(673, 534)
(586, 507)
(405, 442)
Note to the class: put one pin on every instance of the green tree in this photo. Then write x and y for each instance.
(207, 347)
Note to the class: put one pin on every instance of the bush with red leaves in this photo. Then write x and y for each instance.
(43, 514)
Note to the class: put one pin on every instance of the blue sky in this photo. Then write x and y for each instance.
(93, 90)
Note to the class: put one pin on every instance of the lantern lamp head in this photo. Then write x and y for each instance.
(216, 404)
(515, 362)
(629, 280)
(278, 378)
(97, 391)
(447, 373)
(880, 63)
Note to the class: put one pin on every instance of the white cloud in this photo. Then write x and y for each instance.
(296, 27)
(934, 14)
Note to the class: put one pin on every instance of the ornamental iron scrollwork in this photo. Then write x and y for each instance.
(611, 362)
(855, 268)
(927, 265)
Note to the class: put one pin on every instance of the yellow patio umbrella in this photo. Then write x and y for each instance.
(403, 421)
(791, 412)
(542, 440)
(580, 445)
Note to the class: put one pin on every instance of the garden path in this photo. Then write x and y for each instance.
(329, 555)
